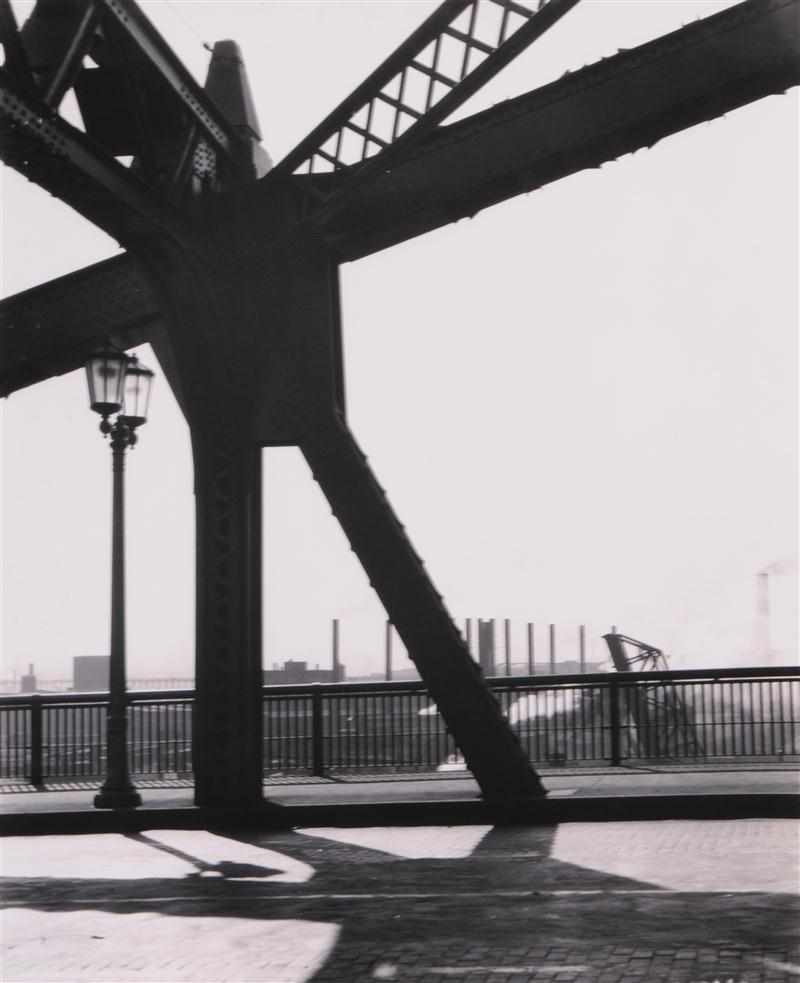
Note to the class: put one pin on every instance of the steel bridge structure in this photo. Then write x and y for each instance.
(662, 718)
(231, 273)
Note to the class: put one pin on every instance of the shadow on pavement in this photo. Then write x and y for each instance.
(506, 906)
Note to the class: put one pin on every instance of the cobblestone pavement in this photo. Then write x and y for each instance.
(697, 902)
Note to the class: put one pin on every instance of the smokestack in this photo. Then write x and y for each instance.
(337, 666)
(762, 617)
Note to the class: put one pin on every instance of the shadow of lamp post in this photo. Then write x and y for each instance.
(118, 384)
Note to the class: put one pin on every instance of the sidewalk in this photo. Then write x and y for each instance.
(626, 902)
(575, 795)
(426, 894)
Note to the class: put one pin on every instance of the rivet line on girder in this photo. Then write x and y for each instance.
(175, 76)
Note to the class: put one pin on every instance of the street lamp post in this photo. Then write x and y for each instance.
(118, 385)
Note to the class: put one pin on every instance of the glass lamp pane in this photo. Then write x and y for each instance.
(105, 372)
(138, 381)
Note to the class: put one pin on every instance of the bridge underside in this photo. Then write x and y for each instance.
(590, 117)
(244, 316)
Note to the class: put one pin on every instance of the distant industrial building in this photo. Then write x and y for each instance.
(295, 671)
(27, 682)
(90, 673)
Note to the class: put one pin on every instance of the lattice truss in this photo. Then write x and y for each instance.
(460, 46)
(643, 658)
(148, 127)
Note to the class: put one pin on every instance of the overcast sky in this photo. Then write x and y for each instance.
(582, 403)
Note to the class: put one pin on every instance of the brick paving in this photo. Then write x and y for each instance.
(690, 902)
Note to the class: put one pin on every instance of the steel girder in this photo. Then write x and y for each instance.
(35, 141)
(396, 573)
(594, 115)
(52, 329)
(455, 52)
(152, 139)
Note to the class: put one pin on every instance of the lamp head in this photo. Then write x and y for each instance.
(136, 393)
(105, 376)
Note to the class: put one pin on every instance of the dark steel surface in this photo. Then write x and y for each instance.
(591, 116)
(371, 86)
(35, 141)
(416, 610)
(227, 735)
(137, 100)
(168, 68)
(54, 328)
(506, 41)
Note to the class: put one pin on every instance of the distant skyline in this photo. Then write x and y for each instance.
(582, 403)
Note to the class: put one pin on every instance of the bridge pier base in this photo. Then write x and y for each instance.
(227, 728)
(259, 349)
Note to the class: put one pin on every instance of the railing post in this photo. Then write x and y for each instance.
(317, 762)
(614, 720)
(36, 775)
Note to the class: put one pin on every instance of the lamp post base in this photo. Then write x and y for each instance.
(117, 798)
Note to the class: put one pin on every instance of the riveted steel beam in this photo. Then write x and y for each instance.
(47, 150)
(594, 115)
(55, 38)
(491, 749)
(52, 329)
(149, 44)
(16, 59)
(420, 54)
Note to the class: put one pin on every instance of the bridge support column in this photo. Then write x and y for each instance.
(227, 736)
(470, 711)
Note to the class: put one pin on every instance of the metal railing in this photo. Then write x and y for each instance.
(62, 736)
(352, 727)
(328, 728)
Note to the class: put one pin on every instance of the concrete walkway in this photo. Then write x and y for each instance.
(678, 901)
(305, 891)
(575, 795)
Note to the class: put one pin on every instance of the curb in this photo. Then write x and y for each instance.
(538, 812)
